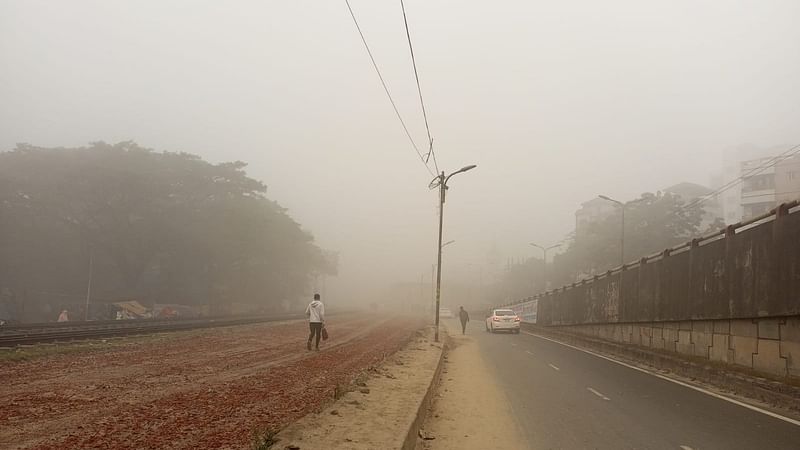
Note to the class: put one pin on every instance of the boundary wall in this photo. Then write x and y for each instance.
(732, 296)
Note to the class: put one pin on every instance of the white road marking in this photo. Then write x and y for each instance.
(513, 344)
(696, 388)
(553, 367)
(686, 447)
(598, 394)
(529, 352)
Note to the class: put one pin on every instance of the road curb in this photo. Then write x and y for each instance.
(372, 413)
(410, 441)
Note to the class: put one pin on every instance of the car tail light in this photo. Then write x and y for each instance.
(495, 319)
(516, 319)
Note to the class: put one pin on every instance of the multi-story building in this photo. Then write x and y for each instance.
(768, 182)
(787, 180)
(758, 187)
(761, 188)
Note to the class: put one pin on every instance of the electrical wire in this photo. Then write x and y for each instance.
(770, 193)
(386, 89)
(419, 89)
(755, 171)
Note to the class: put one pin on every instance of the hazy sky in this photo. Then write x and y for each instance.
(555, 101)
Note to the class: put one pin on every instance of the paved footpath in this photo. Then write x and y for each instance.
(469, 411)
(565, 398)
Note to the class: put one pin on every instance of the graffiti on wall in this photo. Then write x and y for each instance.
(527, 311)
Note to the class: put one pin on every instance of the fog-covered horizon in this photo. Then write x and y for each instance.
(556, 102)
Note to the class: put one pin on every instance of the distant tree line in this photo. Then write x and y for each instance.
(157, 227)
(653, 222)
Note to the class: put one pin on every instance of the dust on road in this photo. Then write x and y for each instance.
(469, 411)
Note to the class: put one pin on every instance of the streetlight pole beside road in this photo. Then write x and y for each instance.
(622, 231)
(433, 275)
(544, 250)
(442, 183)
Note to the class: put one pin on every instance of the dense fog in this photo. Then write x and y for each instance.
(556, 103)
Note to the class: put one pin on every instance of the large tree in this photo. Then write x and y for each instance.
(157, 226)
(653, 223)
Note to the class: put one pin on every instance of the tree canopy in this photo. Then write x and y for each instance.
(653, 222)
(158, 227)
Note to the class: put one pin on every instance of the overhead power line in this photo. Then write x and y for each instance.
(770, 193)
(419, 90)
(386, 89)
(755, 171)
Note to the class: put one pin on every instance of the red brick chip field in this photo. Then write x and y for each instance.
(204, 389)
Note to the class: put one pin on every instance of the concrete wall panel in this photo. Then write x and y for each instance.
(720, 348)
(769, 346)
(768, 358)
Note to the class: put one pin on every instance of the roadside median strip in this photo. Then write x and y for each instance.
(384, 409)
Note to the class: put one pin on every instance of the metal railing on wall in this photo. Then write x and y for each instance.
(730, 230)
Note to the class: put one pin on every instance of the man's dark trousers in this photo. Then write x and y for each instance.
(316, 329)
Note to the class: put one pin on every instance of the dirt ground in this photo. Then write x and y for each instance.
(200, 389)
(380, 416)
(469, 411)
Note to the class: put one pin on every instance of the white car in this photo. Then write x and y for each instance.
(503, 319)
(445, 313)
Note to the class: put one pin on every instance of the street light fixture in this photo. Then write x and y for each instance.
(441, 180)
(544, 250)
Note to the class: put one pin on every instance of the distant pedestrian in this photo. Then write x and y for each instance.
(464, 316)
(316, 320)
(64, 316)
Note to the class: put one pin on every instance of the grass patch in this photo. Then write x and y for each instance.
(264, 439)
(340, 390)
(40, 351)
(27, 353)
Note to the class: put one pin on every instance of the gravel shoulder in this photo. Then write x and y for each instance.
(469, 411)
(377, 412)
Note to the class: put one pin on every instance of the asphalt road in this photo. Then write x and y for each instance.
(564, 398)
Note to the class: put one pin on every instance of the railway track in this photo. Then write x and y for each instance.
(31, 334)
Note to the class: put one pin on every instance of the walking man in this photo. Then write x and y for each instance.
(316, 318)
(464, 316)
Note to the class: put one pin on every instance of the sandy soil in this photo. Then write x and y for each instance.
(469, 411)
(380, 417)
(198, 389)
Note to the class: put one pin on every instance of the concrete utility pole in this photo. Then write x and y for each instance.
(544, 250)
(433, 285)
(442, 182)
(433, 276)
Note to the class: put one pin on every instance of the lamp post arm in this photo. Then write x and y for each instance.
(538, 246)
(605, 197)
(463, 169)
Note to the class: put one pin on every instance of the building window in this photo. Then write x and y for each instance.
(758, 183)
